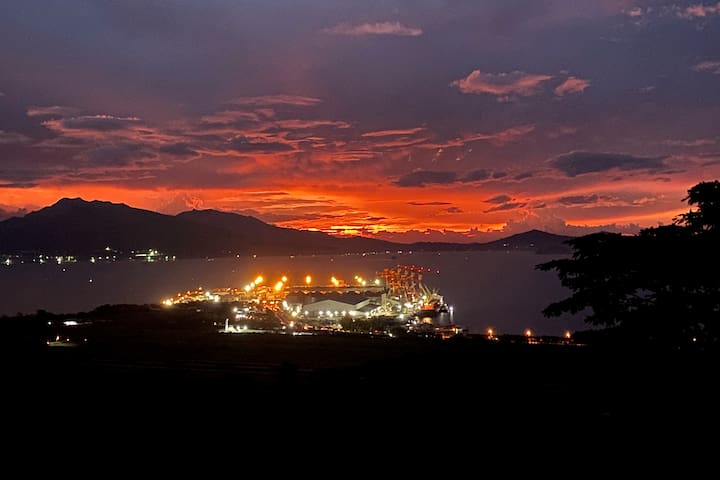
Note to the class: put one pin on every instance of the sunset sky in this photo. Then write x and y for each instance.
(438, 120)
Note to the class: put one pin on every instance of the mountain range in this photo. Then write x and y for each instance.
(73, 226)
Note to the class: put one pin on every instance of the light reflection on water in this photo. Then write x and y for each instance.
(496, 290)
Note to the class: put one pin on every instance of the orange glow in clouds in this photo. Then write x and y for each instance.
(363, 207)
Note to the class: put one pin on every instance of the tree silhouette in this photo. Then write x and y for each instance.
(661, 286)
(706, 219)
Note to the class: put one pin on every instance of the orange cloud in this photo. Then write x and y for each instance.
(296, 124)
(269, 100)
(393, 212)
(305, 171)
(379, 28)
(708, 66)
(501, 84)
(501, 137)
(572, 85)
(390, 133)
(700, 11)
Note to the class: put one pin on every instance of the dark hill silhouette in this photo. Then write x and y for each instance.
(537, 240)
(533, 240)
(268, 239)
(78, 227)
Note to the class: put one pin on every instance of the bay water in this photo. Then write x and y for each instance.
(498, 290)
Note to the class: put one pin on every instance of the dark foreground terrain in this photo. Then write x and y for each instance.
(143, 364)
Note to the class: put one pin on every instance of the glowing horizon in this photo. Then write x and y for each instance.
(391, 120)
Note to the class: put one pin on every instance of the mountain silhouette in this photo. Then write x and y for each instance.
(533, 240)
(537, 240)
(73, 226)
(78, 227)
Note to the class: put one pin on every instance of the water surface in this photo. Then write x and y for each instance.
(501, 290)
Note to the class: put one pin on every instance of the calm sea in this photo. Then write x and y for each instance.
(496, 290)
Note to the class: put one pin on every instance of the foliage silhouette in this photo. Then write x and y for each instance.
(660, 287)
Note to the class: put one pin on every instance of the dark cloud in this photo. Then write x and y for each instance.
(524, 175)
(428, 204)
(178, 149)
(498, 199)
(271, 100)
(23, 164)
(424, 177)
(202, 173)
(454, 210)
(506, 206)
(18, 185)
(244, 145)
(65, 141)
(106, 174)
(579, 163)
(51, 111)
(13, 137)
(697, 142)
(117, 154)
(476, 175)
(578, 199)
(99, 123)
